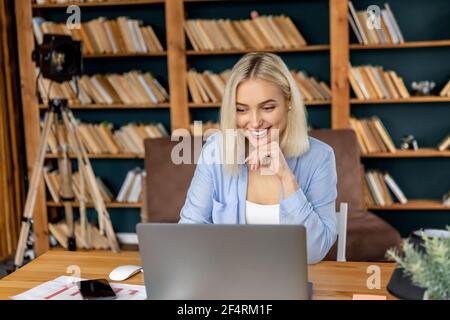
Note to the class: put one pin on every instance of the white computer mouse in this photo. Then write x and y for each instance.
(124, 272)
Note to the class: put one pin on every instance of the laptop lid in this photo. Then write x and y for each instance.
(194, 261)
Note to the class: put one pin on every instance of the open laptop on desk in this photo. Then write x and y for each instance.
(193, 261)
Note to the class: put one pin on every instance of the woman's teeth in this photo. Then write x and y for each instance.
(258, 133)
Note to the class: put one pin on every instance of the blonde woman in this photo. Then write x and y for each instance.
(280, 175)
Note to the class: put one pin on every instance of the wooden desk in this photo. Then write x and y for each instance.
(332, 280)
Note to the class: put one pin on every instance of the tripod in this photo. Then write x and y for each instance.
(58, 109)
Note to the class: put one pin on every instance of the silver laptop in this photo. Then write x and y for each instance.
(193, 261)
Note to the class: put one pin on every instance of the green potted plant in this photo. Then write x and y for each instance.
(427, 264)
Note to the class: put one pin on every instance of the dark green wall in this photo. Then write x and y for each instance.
(430, 122)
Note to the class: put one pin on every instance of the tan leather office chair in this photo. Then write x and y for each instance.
(368, 236)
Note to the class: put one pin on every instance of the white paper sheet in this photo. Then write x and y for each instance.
(64, 288)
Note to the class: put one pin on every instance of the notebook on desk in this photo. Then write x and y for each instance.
(185, 261)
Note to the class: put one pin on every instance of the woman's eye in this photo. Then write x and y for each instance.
(269, 108)
(240, 110)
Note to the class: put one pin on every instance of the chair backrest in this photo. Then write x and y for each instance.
(342, 231)
(348, 165)
(166, 182)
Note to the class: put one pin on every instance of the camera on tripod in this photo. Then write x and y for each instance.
(59, 58)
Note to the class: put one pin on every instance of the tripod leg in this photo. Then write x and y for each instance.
(32, 192)
(88, 172)
(66, 191)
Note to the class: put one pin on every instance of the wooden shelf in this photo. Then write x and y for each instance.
(102, 156)
(90, 205)
(217, 104)
(114, 106)
(97, 3)
(413, 205)
(421, 153)
(124, 55)
(316, 47)
(403, 100)
(413, 44)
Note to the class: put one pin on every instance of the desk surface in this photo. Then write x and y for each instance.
(332, 280)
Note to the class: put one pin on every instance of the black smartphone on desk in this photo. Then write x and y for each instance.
(98, 289)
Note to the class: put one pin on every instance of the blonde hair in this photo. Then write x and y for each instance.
(271, 68)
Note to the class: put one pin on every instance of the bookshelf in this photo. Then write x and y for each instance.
(412, 44)
(413, 205)
(217, 104)
(330, 46)
(421, 153)
(115, 106)
(124, 55)
(421, 172)
(241, 52)
(110, 205)
(104, 156)
(107, 3)
(404, 100)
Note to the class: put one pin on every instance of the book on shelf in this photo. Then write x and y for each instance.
(395, 188)
(131, 189)
(53, 182)
(372, 135)
(444, 144)
(206, 86)
(209, 87)
(446, 199)
(310, 88)
(101, 139)
(131, 88)
(384, 30)
(259, 32)
(101, 36)
(445, 92)
(372, 82)
(380, 189)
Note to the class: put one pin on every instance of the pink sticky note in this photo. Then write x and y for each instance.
(368, 297)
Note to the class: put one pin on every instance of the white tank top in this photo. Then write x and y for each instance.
(262, 213)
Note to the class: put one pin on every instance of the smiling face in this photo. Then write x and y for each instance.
(260, 107)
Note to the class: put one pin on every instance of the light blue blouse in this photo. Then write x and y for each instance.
(215, 196)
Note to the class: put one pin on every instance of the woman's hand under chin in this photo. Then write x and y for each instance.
(266, 155)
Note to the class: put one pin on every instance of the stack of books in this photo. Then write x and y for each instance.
(199, 128)
(372, 135)
(130, 138)
(376, 189)
(100, 138)
(310, 88)
(206, 86)
(52, 180)
(260, 32)
(370, 82)
(381, 30)
(444, 144)
(119, 36)
(209, 87)
(445, 92)
(130, 88)
(131, 189)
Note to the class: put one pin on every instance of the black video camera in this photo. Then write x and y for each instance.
(59, 57)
